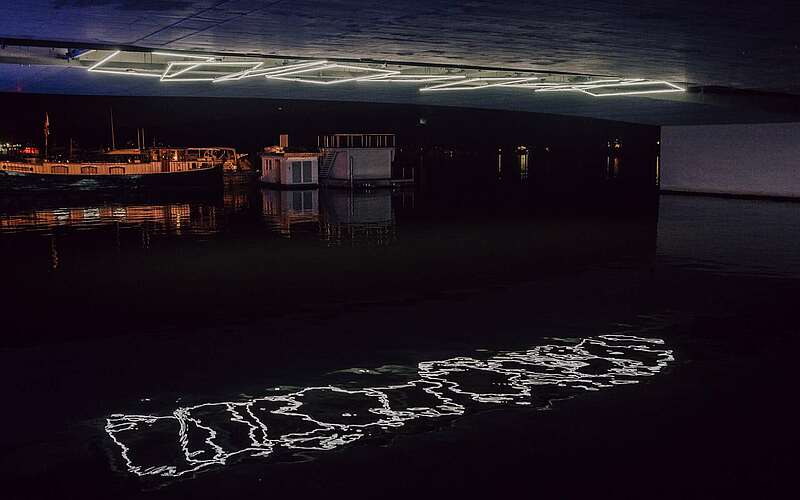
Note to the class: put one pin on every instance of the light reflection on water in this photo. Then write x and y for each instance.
(695, 233)
(365, 403)
(333, 216)
(729, 236)
(167, 218)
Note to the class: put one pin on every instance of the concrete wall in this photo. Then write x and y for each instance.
(368, 163)
(757, 159)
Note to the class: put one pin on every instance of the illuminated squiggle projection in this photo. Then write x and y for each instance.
(173, 68)
(369, 403)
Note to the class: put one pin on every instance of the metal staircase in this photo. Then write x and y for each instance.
(326, 163)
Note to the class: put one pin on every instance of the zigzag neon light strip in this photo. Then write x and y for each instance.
(401, 78)
(185, 56)
(129, 71)
(193, 66)
(274, 70)
(587, 87)
(462, 84)
(104, 60)
(376, 73)
(573, 87)
(671, 87)
(443, 82)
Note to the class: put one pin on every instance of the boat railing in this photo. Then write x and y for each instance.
(356, 141)
(10, 167)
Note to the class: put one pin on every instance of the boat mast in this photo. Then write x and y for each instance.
(46, 133)
(113, 142)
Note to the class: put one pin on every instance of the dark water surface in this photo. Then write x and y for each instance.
(398, 344)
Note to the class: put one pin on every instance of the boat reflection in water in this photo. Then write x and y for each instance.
(173, 217)
(284, 209)
(77, 222)
(358, 218)
(365, 403)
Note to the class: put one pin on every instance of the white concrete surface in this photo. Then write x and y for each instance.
(752, 159)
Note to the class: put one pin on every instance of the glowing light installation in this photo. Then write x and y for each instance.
(665, 88)
(275, 71)
(181, 68)
(94, 68)
(413, 78)
(369, 73)
(482, 83)
(211, 435)
(192, 66)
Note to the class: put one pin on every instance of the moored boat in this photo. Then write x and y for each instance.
(129, 170)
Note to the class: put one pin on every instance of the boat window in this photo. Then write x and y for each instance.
(59, 169)
(88, 170)
(297, 201)
(307, 171)
(116, 170)
(296, 172)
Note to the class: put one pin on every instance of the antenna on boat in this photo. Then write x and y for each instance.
(140, 138)
(46, 132)
(113, 142)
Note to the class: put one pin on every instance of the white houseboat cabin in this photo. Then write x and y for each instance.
(282, 167)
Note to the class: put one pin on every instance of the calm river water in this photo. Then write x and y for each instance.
(397, 344)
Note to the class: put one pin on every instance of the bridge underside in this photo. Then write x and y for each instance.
(736, 63)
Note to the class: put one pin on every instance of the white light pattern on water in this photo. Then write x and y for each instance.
(324, 417)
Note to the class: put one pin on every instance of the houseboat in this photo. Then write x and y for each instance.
(357, 160)
(285, 168)
(126, 169)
